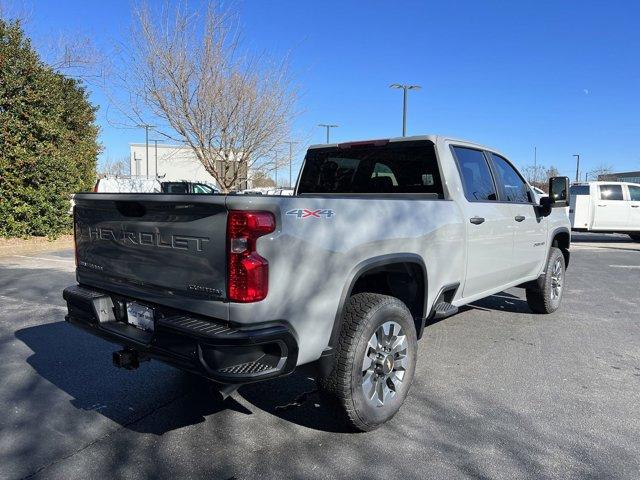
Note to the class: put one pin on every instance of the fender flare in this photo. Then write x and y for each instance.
(363, 267)
(554, 233)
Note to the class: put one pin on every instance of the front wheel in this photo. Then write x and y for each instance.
(375, 360)
(546, 298)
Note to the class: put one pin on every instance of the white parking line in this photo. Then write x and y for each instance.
(46, 259)
(624, 266)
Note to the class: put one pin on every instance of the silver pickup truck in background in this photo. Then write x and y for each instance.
(379, 239)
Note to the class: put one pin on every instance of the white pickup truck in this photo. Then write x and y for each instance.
(605, 207)
(380, 238)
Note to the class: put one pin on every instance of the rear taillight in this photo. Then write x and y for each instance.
(248, 272)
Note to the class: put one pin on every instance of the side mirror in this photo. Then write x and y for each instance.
(558, 195)
(559, 191)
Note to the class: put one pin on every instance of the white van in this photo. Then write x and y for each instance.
(606, 207)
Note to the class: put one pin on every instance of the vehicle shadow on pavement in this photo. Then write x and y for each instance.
(80, 365)
(295, 398)
(503, 302)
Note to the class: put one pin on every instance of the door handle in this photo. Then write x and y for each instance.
(635, 206)
(600, 205)
(520, 218)
(476, 220)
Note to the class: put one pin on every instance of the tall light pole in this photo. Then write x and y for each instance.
(404, 88)
(291, 144)
(146, 134)
(328, 127)
(577, 155)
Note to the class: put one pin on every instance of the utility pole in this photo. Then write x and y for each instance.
(276, 171)
(577, 155)
(146, 134)
(535, 164)
(328, 127)
(155, 140)
(404, 88)
(291, 144)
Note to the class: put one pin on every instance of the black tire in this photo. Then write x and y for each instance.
(547, 298)
(635, 237)
(364, 315)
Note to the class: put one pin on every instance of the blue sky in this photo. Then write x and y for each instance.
(560, 75)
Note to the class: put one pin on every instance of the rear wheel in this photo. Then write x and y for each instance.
(375, 360)
(635, 237)
(547, 297)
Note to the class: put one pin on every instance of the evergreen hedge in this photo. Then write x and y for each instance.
(48, 140)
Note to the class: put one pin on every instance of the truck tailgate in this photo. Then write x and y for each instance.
(172, 245)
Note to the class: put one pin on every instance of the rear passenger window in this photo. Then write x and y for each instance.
(634, 192)
(514, 187)
(611, 192)
(476, 176)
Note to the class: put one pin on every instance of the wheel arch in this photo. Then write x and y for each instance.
(561, 238)
(385, 264)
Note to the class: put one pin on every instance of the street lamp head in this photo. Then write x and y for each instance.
(406, 87)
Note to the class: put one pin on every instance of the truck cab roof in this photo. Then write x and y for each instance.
(434, 138)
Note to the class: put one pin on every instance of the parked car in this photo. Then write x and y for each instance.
(605, 207)
(188, 187)
(380, 239)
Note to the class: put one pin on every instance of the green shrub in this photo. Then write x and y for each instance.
(48, 140)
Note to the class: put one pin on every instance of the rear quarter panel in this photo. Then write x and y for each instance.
(312, 259)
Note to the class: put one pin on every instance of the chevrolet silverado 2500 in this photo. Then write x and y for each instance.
(380, 239)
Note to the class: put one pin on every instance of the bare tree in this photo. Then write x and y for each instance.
(552, 171)
(262, 179)
(539, 175)
(603, 169)
(119, 168)
(69, 53)
(185, 70)
(534, 173)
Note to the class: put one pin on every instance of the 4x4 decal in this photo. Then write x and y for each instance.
(305, 213)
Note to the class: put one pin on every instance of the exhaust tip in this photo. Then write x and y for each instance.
(224, 391)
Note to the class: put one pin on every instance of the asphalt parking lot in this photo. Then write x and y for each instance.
(499, 393)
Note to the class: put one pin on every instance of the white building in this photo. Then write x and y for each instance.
(170, 163)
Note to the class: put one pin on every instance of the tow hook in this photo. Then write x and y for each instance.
(128, 358)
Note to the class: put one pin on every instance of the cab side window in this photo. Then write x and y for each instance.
(515, 189)
(611, 192)
(477, 180)
(202, 189)
(634, 192)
